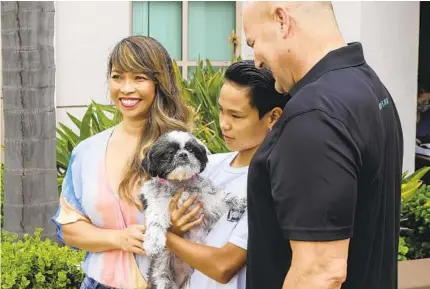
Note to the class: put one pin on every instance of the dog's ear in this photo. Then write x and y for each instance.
(208, 152)
(146, 165)
(203, 154)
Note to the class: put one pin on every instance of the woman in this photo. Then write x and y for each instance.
(249, 107)
(98, 211)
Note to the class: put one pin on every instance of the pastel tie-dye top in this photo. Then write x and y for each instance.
(87, 195)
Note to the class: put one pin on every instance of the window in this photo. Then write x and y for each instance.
(191, 30)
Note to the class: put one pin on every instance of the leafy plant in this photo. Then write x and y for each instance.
(403, 250)
(415, 217)
(39, 264)
(412, 183)
(201, 91)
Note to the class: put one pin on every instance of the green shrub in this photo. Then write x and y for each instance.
(417, 222)
(38, 264)
(415, 217)
(403, 249)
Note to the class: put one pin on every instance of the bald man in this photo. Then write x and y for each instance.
(324, 187)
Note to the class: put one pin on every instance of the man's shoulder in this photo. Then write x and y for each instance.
(343, 95)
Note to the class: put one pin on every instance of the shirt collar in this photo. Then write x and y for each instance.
(348, 56)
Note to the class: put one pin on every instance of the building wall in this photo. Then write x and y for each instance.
(391, 48)
(85, 33)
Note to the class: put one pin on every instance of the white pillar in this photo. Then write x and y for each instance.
(389, 32)
(390, 37)
(85, 33)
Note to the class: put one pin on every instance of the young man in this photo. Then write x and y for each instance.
(249, 107)
(324, 187)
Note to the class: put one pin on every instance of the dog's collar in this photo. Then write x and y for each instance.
(161, 180)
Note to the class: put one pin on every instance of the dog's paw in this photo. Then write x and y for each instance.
(154, 241)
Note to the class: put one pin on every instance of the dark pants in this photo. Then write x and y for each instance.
(90, 283)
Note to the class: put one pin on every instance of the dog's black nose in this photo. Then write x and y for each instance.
(183, 155)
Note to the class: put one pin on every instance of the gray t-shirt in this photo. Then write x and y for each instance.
(232, 227)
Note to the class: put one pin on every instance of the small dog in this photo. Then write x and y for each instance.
(174, 161)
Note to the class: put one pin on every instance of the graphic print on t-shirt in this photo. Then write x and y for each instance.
(234, 215)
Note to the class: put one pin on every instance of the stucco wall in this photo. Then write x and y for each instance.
(86, 31)
(390, 36)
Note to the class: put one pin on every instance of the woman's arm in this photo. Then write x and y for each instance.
(220, 264)
(87, 237)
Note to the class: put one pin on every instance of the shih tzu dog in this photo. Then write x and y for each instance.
(174, 161)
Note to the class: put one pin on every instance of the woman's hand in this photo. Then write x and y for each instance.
(130, 239)
(182, 221)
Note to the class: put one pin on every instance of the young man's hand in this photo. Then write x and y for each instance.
(183, 219)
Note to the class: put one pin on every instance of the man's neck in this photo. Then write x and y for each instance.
(307, 56)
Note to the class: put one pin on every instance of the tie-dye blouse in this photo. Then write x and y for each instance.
(87, 195)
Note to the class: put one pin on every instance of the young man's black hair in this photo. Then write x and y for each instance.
(261, 85)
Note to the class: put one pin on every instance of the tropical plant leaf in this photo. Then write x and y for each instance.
(85, 131)
(103, 120)
(409, 191)
(76, 121)
(417, 175)
(69, 135)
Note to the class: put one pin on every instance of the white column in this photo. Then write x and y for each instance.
(390, 38)
(389, 32)
(85, 33)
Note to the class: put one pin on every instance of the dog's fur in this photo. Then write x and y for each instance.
(174, 161)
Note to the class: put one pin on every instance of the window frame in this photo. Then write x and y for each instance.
(184, 63)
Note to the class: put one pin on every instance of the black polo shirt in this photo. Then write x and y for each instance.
(329, 170)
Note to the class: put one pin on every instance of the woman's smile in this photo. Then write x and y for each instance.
(128, 102)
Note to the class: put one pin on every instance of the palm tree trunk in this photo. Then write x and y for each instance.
(28, 65)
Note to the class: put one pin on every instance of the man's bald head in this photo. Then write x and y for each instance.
(302, 5)
(298, 10)
(281, 32)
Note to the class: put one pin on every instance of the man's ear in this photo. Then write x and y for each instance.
(274, 115)
(282, 17)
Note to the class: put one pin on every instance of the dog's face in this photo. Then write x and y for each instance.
(175, 156)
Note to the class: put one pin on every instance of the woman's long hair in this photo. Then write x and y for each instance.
(168, 111)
